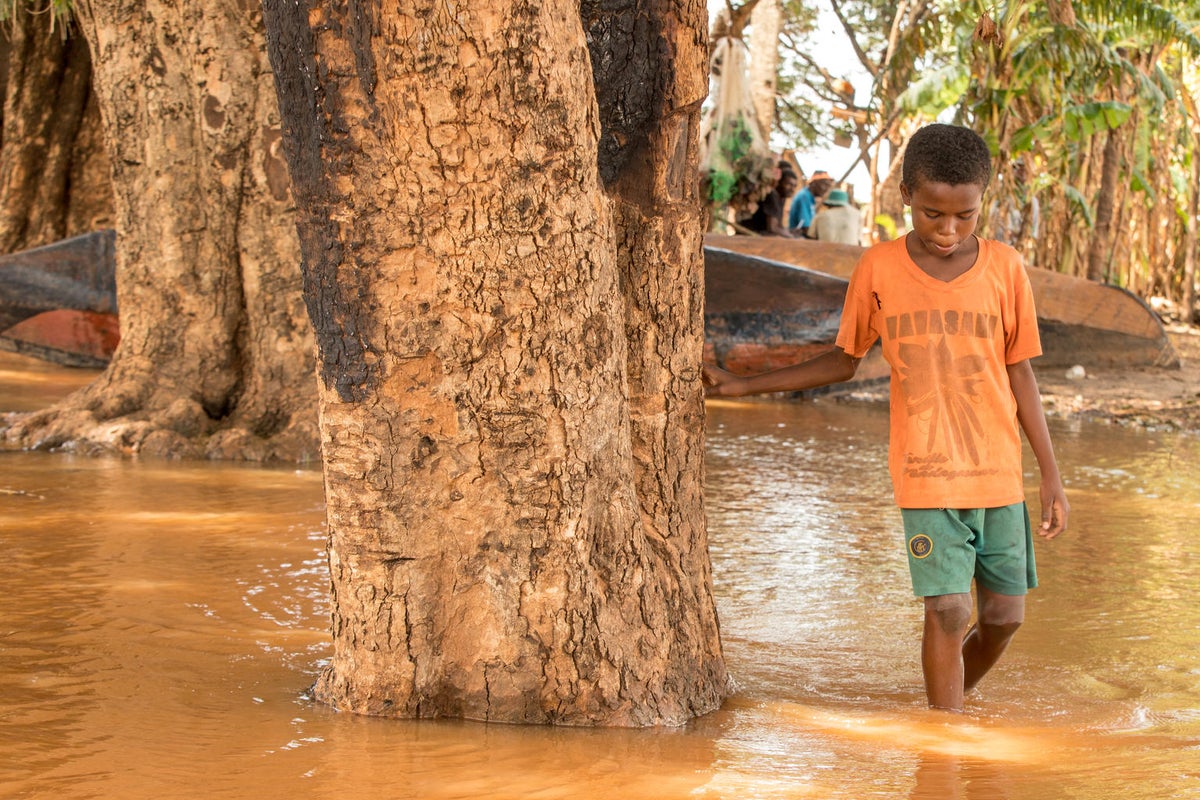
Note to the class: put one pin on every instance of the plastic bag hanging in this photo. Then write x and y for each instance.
(737, 168)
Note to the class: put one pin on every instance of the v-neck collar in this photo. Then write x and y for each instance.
(965, 277)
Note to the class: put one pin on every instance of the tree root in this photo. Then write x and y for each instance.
(176, 432)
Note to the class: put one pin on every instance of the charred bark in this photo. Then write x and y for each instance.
(500, 545)
(654, 57)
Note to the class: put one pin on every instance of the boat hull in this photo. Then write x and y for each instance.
(1081, 322)
(761, 315)
(59, 302)
(769, 302)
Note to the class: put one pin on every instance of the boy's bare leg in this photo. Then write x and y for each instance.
(946, 620)
(999, 617)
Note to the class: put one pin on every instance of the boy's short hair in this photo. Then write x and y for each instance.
(946, 154)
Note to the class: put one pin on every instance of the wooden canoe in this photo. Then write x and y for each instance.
(761, 315)
(769, 302)
(59, 302)
(1081, 322)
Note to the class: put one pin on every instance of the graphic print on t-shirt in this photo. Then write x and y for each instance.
(943, 390)
(942, 385)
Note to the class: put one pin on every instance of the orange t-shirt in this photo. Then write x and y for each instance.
(955, 440)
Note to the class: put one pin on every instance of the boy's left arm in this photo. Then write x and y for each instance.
(1055, 508)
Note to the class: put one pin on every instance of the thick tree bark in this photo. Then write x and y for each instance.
(888, 200)
(90, 189)
(500, 545)
(216, 351)
(650, 67)
(46, 90)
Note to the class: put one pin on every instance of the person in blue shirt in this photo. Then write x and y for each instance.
(804, 207)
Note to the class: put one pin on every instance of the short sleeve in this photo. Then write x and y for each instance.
(1021, 338)
(856, 333)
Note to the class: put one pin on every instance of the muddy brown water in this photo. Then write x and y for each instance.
(160, 624)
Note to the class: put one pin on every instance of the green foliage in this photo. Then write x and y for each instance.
(1045, 84)
(1087, 119)
(60, 11)
(1138, 21)
(803, 118)
(1022, 140)
(1080, 203)
(810, 85)
(888, 224)
(935, 91)
(1138, 182)
(739, 173)
(1043, 87)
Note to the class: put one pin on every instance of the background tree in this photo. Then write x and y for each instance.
(766, 25)
(216, 350)
(53, 168)
(506, 299)
(1191, 211)
(896, 45)
(1085, 94)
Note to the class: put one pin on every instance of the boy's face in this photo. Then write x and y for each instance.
(943, 215)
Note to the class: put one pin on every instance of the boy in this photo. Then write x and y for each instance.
(956, 319)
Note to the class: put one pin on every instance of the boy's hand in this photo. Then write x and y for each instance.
(718, 382)
(1055, 510)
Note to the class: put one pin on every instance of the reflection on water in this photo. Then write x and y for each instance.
(162, 623)
(27, 384)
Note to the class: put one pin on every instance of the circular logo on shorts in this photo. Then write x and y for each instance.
(920, 546)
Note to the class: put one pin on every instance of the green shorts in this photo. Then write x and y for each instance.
(948, 547)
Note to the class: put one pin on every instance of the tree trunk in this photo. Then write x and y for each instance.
(90, 195)
(512, 479)
(216, 351)
(1191, 240)
(766, 24)
(1100, 250)
(660, 224)
(889, 201)
(46, 90)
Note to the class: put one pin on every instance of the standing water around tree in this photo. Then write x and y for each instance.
(163, 621)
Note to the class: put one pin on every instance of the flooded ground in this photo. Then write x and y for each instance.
(162, 622)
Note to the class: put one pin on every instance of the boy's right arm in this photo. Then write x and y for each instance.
(833, 366)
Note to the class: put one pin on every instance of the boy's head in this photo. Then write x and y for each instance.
(946, 168)
(947, 154)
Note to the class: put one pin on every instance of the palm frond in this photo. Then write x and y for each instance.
(1144, 19)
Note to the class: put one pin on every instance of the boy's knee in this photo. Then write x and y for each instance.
(951, 612)
(998, 631)
(1002, 612)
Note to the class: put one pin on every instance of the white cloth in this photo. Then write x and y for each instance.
(840, 224)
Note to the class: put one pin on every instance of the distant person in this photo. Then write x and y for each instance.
(956, 319)
(768, 218)
(837, 221)
(804, 207)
